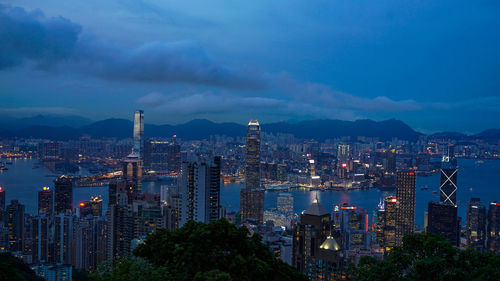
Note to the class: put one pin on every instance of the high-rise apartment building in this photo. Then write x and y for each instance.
(493, 232)
(63, 238)
(138, 148)
(63, 198)
(120, 231)
(251, 197)
(45, 201)
(200, 190)
(476, 225)
(14, 222)
(41, 238)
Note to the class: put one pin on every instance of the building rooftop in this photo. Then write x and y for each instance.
(316, 209)
(330, 244)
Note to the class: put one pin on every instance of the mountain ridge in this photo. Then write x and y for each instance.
(319, 129)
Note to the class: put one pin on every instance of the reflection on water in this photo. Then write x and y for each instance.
(22, 182)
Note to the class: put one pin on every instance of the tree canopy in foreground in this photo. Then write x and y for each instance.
(198, 251)
(13, 269)
(429, 257)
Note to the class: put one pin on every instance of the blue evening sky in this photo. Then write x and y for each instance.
(433, 64)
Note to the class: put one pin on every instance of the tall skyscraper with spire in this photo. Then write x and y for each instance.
(138, 148)
(251, 198)
(448, 187)
(252, 159)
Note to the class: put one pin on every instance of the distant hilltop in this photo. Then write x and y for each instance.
(74, 128)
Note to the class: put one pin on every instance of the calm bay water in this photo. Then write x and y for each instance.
(22, 182)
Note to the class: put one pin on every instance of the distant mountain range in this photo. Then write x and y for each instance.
(63, 129)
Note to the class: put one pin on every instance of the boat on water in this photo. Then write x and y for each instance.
(36, 166)
(2, 167)
(426, 187)
(479, 162)
(434, 192)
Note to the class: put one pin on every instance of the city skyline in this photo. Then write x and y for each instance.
(353, 65)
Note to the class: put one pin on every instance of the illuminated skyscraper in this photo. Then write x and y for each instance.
(45, 201)
(138, 148)
(132, 173)
(448, 186)
(252, 160)
(252, 205)
(389, 223)
(405, 194)
(354, 228)
(309, 234)
(493, 233)
(476, 225)
(200, 191)
(63, 199)
(96, 205)
(251, 198)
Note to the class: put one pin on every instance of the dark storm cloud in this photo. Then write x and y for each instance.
(57, 44)
(29, 35)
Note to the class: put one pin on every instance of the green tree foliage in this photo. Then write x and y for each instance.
(13, 269)
(218, 251)
(429, 257)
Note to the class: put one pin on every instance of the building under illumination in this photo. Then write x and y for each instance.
(405, 194)
(138, 148)
(493, 233)
(45, 201)
(476, 225)
(251, 197)
(63, 197)
(316, 252)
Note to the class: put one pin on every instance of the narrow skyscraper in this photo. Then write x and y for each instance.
(493, 239)
(63, 199)
(476, 225)
(251, 197)
(252, 159)
(200, 190)
(405, 194)
(138, 148)
(448, 186)
(45, 201)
